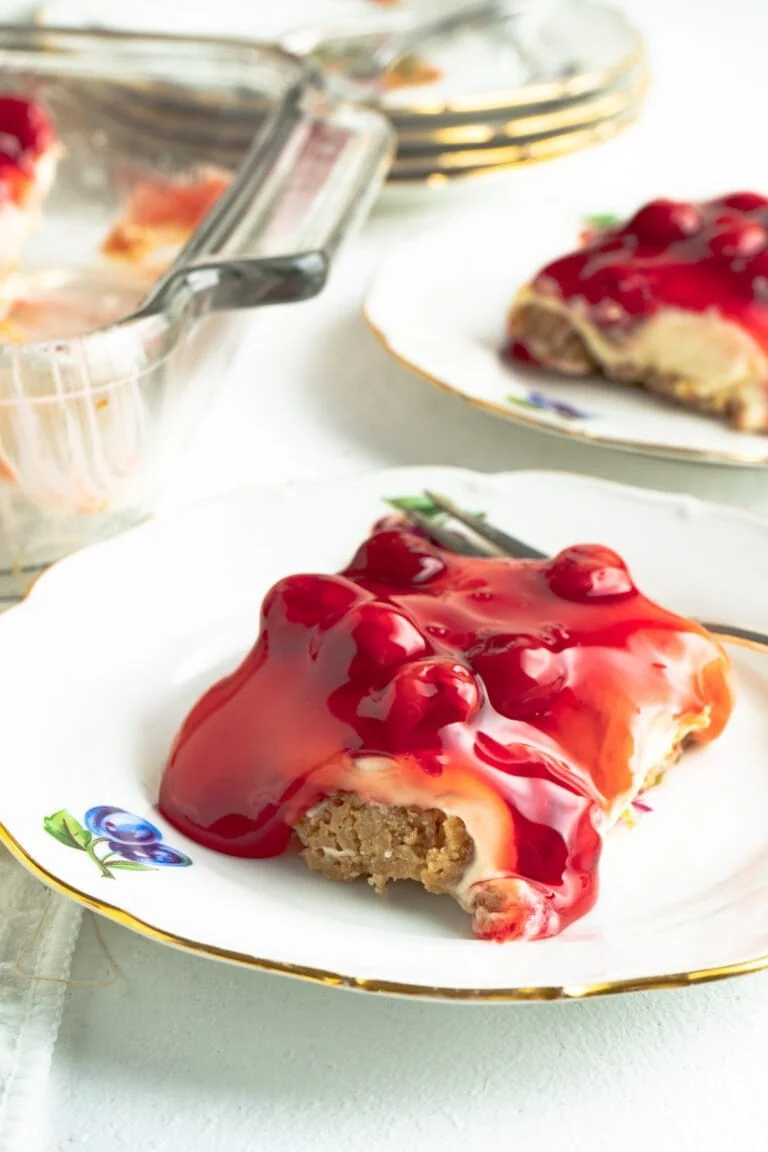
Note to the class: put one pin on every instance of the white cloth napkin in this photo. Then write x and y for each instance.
(38, 931)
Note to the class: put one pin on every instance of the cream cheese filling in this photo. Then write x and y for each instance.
(704, 355)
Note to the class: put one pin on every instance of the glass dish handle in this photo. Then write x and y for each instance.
(273, 235)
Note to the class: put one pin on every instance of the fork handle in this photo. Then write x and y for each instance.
(731, 632)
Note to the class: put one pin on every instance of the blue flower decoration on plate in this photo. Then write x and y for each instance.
(546, 404)
(125, 842)
(121, 827)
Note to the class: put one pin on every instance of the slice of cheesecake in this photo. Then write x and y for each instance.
(473, 724)
(674, 300)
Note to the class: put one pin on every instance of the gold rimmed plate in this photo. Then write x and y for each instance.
(457, 162)
(450, 330)
(116, 642)
(527, 123)
(548, 55)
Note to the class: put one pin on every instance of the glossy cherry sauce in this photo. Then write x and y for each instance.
(516, 694)
(670, 254)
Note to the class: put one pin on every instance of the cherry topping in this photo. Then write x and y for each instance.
(589, 572)
(695, 258)
(737, 237)
(664, 221)
(495, 690)
(744, 201)
(521, 676)
(393, 556)
(384, 636)
(626, 289)
(318, 601)
(424, 697)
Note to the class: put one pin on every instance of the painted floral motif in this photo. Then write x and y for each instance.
(424, 505)
(601, 221)
(544, 403)
(592, 226)
(125, 842)
(421, 504)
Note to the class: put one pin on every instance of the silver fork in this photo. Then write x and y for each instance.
(498, 543)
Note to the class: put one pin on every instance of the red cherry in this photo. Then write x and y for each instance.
(589, 572)
(384, 636)
(424, 697)
(664, 222)
(521, 676)
(396, 556)
(312, 601)
(619, 291)
(743, 201)
(566, 270)
(737, 237)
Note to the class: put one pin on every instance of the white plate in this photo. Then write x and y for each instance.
(457, 163)
(553, 51)
(99, 665)
(594, 42)
(439, 305)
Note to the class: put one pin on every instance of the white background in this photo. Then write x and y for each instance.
(171, 1051)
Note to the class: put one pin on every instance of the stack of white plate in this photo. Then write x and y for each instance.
(558, 77)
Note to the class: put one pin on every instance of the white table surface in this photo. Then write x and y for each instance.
(171, 1051)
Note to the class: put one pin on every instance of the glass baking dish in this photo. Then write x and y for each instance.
(92, 420)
